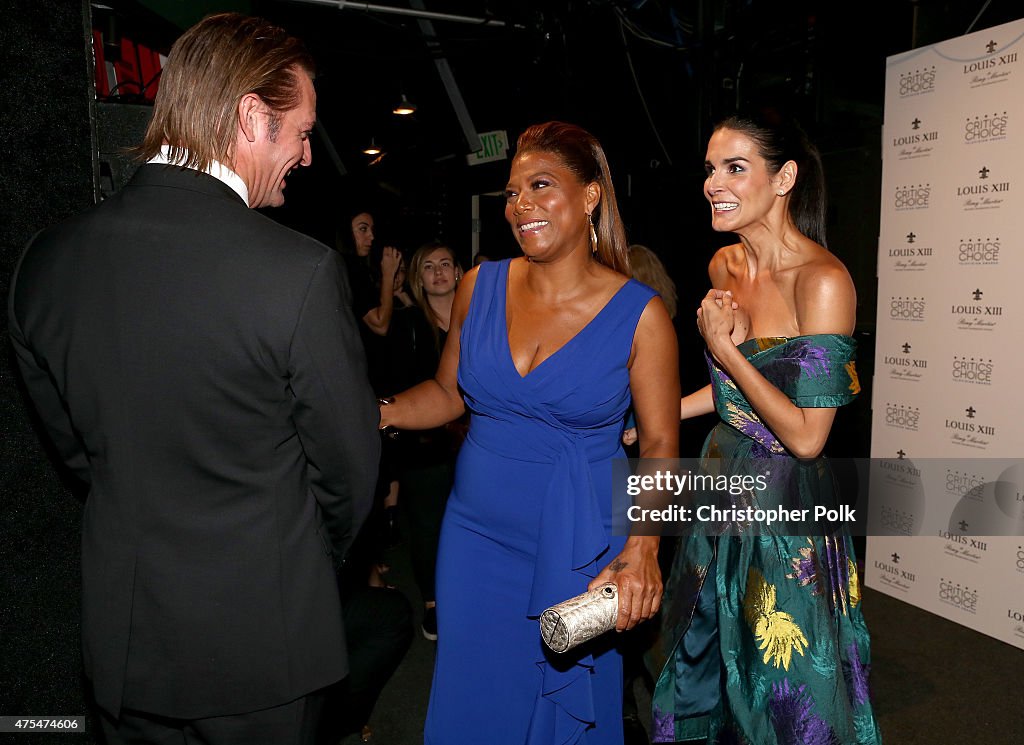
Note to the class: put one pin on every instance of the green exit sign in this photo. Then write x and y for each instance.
(493, 146)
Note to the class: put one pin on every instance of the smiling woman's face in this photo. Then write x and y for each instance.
(739, 186)
(546, 205)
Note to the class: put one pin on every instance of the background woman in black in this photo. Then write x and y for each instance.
(427, 458)
(372, 276)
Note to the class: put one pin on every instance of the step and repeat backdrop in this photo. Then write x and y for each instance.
(948, 407)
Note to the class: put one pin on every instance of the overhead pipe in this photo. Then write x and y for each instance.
(411, 12)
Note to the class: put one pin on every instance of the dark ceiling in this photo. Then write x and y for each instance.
(648, 77)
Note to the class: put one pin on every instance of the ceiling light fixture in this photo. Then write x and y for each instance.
(372, 148)
(405, 107)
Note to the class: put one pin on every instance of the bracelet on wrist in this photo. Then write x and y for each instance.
(387, 429)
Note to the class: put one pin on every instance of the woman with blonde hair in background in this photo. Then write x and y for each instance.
(647, 268)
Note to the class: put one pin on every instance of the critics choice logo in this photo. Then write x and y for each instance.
(902, 416)
(959, 596)
(915, 141)
(978, 251)
(903, 365)
(896, 521)
(977, 313)
(986, 127)
(912, 255)
(976, 370)
(987, 192)
(993, 69)
(917, 82)
(913, 197)
(964, 484)
(906, 308)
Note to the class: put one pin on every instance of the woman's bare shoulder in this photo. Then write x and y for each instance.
(463, 295)
(727, 261)
(822, 268)
(826, 298)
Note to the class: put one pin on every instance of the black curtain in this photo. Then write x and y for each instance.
(47, 154)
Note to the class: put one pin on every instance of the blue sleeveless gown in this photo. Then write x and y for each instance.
(528, 524)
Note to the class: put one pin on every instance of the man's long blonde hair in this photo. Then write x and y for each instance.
(210, 68)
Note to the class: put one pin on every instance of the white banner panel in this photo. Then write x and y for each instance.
(949, 365)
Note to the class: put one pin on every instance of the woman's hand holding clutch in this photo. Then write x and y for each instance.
(637, 575)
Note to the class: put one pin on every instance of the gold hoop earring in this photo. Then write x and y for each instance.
(593, 234)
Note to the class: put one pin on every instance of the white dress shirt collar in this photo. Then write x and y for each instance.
(218, 170)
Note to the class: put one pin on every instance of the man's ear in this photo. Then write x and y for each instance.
(593, 196)
(249, 109)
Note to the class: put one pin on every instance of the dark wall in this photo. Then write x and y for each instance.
(48, 175)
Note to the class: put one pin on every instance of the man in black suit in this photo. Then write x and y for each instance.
(199, 367)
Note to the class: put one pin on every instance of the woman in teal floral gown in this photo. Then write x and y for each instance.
(763, 639)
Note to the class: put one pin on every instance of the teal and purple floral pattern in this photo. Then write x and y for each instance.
(788, 607)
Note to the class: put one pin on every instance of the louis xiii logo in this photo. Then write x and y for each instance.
(903, 366)
(970, 430)
(912, 256)
(892, 575)
(978, 314)
(986, 192)
(994, 68)
(915, 142)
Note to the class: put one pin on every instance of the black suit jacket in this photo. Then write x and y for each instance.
(198, 366)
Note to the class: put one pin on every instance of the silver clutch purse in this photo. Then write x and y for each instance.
(580, 619)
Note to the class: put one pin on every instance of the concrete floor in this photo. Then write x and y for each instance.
(933, 681)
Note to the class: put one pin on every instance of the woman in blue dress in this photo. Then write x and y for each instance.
(546, 351)
(764, 642)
